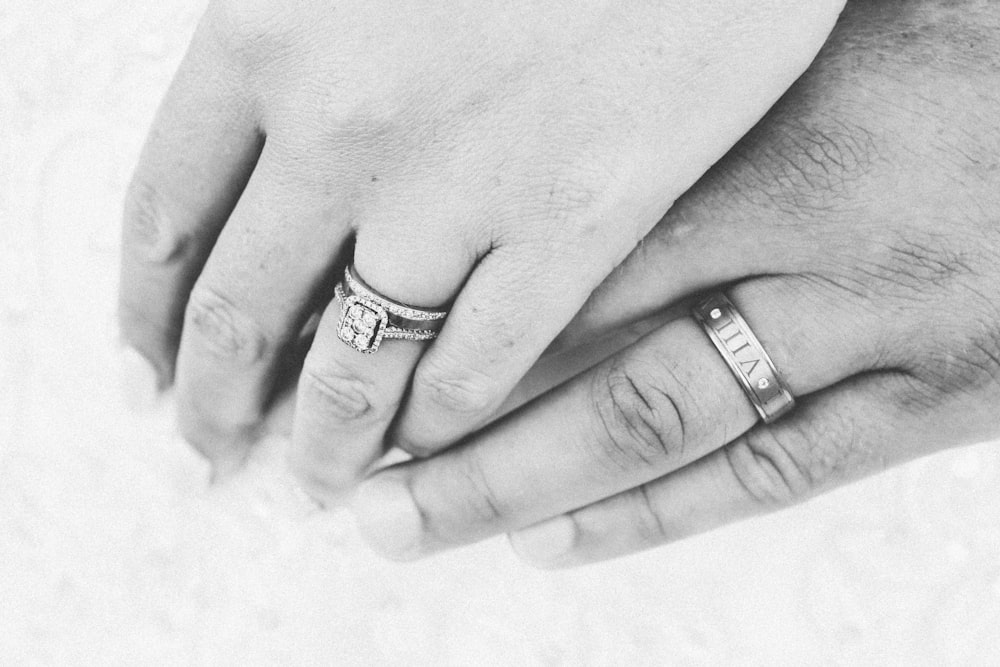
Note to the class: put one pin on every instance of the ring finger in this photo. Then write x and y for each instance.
(346, 399)
(852, 430)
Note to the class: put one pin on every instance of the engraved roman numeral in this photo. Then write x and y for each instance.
(748, 365)
(753, 366)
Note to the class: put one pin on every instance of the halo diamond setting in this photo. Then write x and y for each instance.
(362, 324)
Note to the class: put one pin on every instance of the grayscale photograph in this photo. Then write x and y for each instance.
(527, 332)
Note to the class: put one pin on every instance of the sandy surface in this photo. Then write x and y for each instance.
(115, 550)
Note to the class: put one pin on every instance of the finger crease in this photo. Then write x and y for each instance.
(488, 510)
(653, 517)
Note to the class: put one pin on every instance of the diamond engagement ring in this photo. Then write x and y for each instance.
(367, 317)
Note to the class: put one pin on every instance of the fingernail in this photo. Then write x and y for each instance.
(387, 517)
(545, 543)
(140, 381)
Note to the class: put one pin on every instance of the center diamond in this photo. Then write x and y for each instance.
(362, 324)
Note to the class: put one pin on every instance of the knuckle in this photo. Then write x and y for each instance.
(927, 271)
(764, 464)
(907, 264)
(568, 195)
(802, 168)
(221, 329)
(923, 271)
(981, 358)
(575, 191)
(642, 423)
(150, 235)
(456, 389)
(963, 363)
(916, 396)
(341, 392)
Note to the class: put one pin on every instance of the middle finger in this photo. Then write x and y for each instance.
(252, 298)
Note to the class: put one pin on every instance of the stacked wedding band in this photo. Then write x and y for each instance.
(367, 317)
(744, 355)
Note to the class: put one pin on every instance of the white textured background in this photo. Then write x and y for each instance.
(114, 550)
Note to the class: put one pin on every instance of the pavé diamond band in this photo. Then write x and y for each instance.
(367, 317)
(744, 355)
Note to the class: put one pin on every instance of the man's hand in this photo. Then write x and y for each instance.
(858, 231)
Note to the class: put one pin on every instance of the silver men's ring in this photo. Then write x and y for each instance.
(744, 355)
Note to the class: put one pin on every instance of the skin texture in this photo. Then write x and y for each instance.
(857, 230)
(500, 159)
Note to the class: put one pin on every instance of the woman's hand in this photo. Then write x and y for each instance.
(503, 157)
(857, 229)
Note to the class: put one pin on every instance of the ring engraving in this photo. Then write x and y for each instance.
(744, 355)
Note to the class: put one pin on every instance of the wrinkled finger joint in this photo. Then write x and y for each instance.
(342, 393)
(957, 367)
(463, 392)
(910, 267)
(222, 329)
(642, 422)
(803, 169)
(764, 465)
(150, 234)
